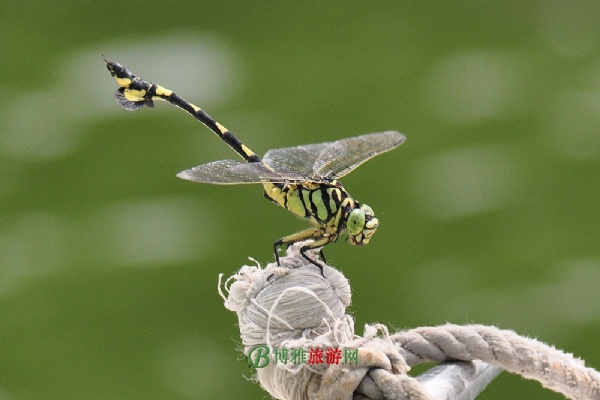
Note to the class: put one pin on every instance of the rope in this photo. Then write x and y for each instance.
(295, 306)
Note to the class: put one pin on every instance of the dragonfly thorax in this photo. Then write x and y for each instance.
(361, 224)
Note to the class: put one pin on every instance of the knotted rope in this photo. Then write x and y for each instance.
(295, 306)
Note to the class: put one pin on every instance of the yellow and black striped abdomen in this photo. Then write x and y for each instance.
(134, 93)
(318, 202)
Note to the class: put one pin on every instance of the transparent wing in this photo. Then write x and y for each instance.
(229, 172)
(297, 160)
(273, 173)
(343, 156)
(311, 162)
(222, 172)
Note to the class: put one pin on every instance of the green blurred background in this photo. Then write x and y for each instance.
(108, 263)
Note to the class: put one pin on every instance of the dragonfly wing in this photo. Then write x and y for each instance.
(222, 172)
(263, 171)
(343, 156)
(296, 161)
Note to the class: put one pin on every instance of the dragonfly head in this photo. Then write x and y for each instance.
(361, 224)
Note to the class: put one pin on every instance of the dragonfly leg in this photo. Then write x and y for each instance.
(318, 244)
(310, 233)
(276, 251)
(322, 256)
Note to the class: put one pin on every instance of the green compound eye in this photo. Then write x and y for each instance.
(356, 221)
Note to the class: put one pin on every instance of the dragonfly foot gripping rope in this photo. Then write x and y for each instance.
(295, 331)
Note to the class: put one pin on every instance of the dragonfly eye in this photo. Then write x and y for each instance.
(356, 221)
(361, 225)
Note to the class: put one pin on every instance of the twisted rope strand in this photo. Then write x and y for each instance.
(297, 306)
(554, 369)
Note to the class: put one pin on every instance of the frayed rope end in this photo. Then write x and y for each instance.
(296, 306)
(285, 301)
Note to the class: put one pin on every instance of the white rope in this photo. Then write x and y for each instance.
(295, 306)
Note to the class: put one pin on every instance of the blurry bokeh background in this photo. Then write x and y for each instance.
(108, 263)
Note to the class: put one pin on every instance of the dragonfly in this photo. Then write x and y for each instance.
(303, 179)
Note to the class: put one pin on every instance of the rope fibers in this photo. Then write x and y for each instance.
(295, 306)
